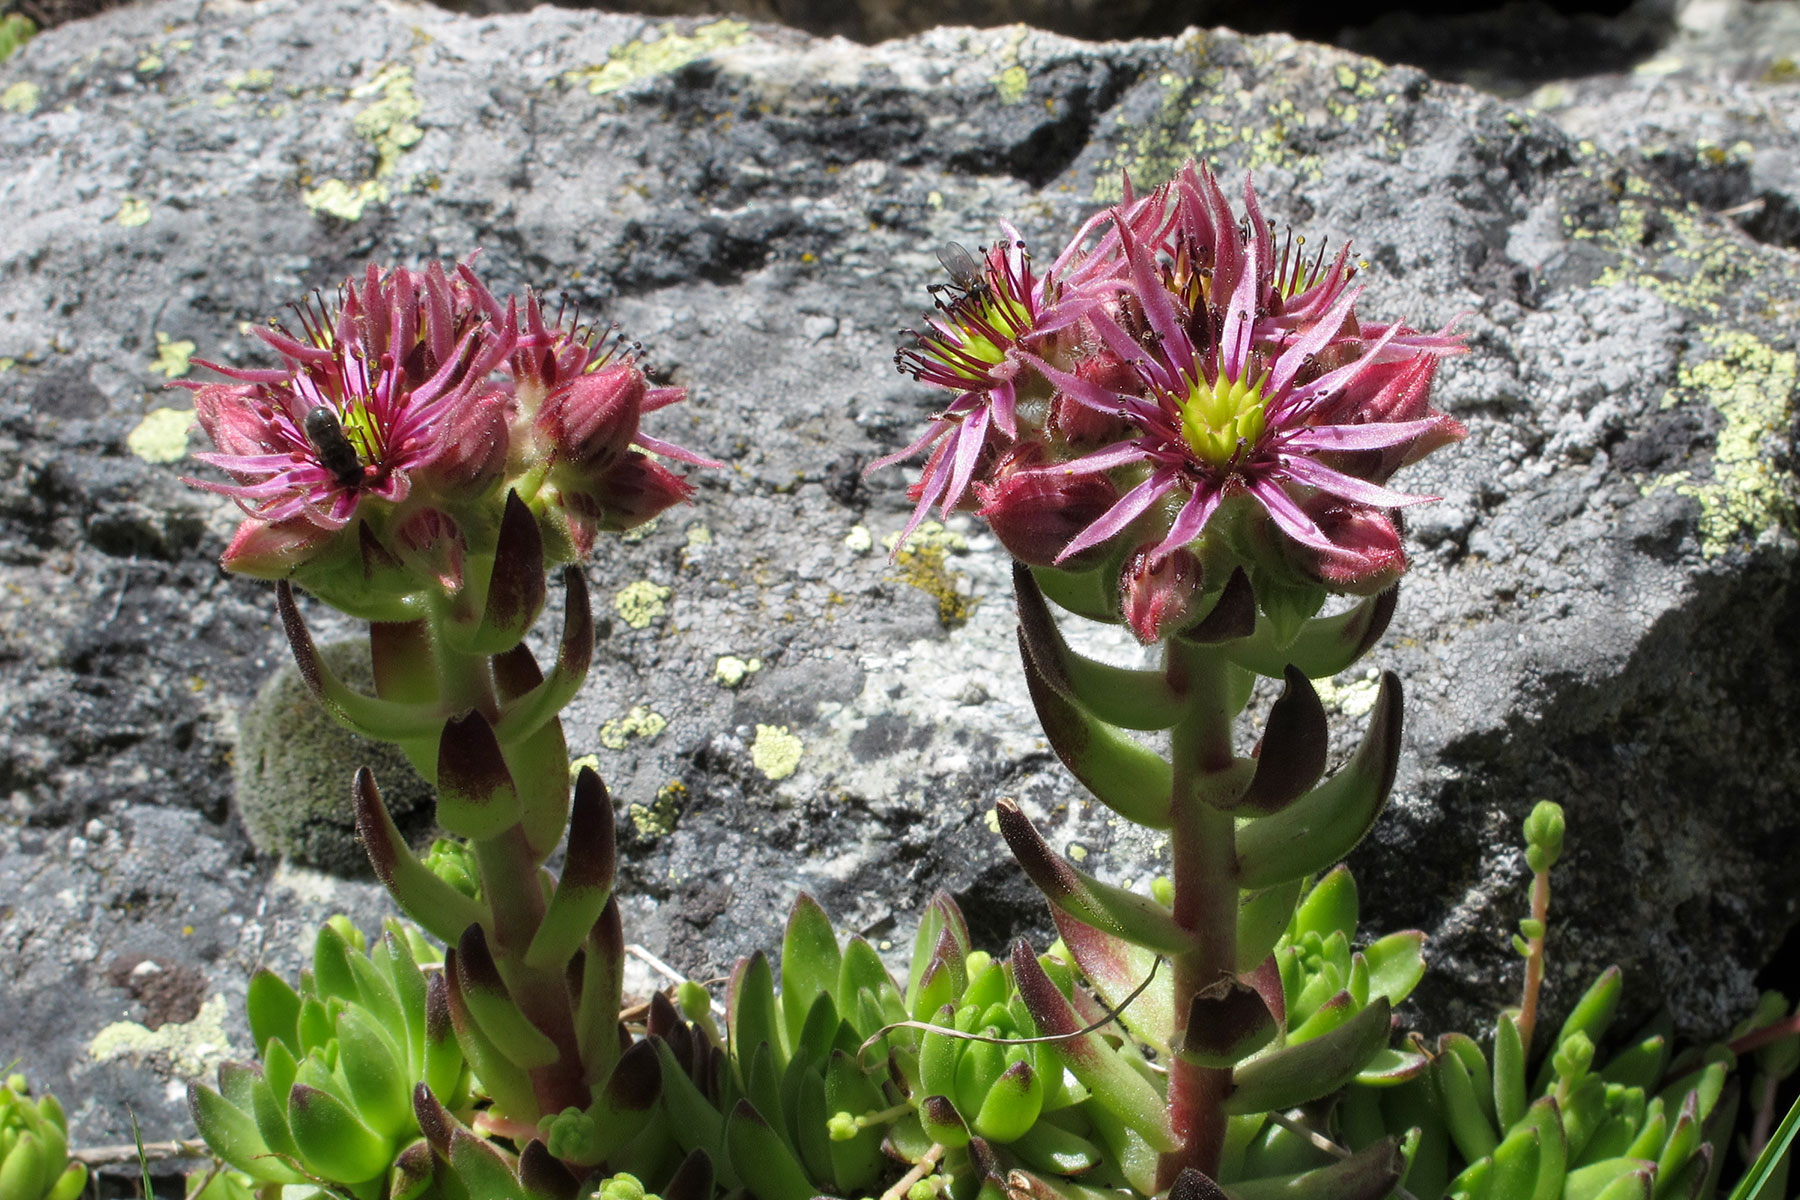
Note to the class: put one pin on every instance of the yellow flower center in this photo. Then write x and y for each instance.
(361, 432)
(985, 311)
(1219, 417)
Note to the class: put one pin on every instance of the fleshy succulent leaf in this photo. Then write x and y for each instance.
(384, 720)
(751, 1007)
(1227, 1023)
(434, 904)
(523, 714)
(515, 591)
(491, 1004)
(334, 1142)
(810, 962)
(1295, 1074)
(586, 882)
(1128, 698)
(1324, 646)
(273, 1010)
(1107, 907)
(758, 1153)
(1115, 1085)
(1325, 824)
(1292, 755)
(1116, 968)
(1121, 774)
(1369, 1174)
(477, 798)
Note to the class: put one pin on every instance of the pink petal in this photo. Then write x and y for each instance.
(1322, 334)
(1287, 514)
(1130, 506)
(1376, 435)
(1192, 520)
(1313, 473)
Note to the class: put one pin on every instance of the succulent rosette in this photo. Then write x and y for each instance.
(374, 462)
(1180, 380)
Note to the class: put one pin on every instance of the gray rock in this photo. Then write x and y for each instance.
(1601, 611)
(293, 769)
(1715, 113)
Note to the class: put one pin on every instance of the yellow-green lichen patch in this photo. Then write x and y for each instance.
(659, 817)
(1353, 699)
(859, 540)
(1012, 83)
(589, 762)
(389, 125)
(133, 211)
(642, 603)
(21, 97)
(256, 79)
(776, 752)
(642, 722)
(162, 436)
(1203, 116)
(731, 670)
(1674, 251)
(924, 563)
(666, 52)
(1753, 386)
(172, 356)
(193, 1048)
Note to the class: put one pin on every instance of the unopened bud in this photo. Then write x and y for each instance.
(620, 1187)
(627, 494)
(1158, 594)
(1544, 836)
(571, 1133)
(1036, 514)
(1366, 555)
(1573, 1057)
(591, 419)
(454, 863)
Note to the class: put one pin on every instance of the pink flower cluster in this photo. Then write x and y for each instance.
(1175, 376)
(400, 415)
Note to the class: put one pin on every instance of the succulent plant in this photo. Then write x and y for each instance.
(330, 1100)
(34, 1147)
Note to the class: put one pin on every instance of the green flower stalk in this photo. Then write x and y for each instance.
(421, 458)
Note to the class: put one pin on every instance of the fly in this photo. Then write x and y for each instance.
(965, 273)
(336, 453)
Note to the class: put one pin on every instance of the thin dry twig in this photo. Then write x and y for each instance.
(927, 1162)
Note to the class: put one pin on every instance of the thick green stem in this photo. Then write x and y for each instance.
(1204, 865)
(509, 884)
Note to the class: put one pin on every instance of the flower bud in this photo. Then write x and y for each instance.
(272, 551)
(592, 418)
(475, 447)
(1158, 595)
(1366, 557)
(1035, 513)
(630, 492)
(429, 544)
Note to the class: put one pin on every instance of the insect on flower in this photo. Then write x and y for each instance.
(336, 453)
(965, 273)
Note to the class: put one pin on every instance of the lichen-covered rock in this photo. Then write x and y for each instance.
(294, 764)
(1601, 610)
(1715, 113)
